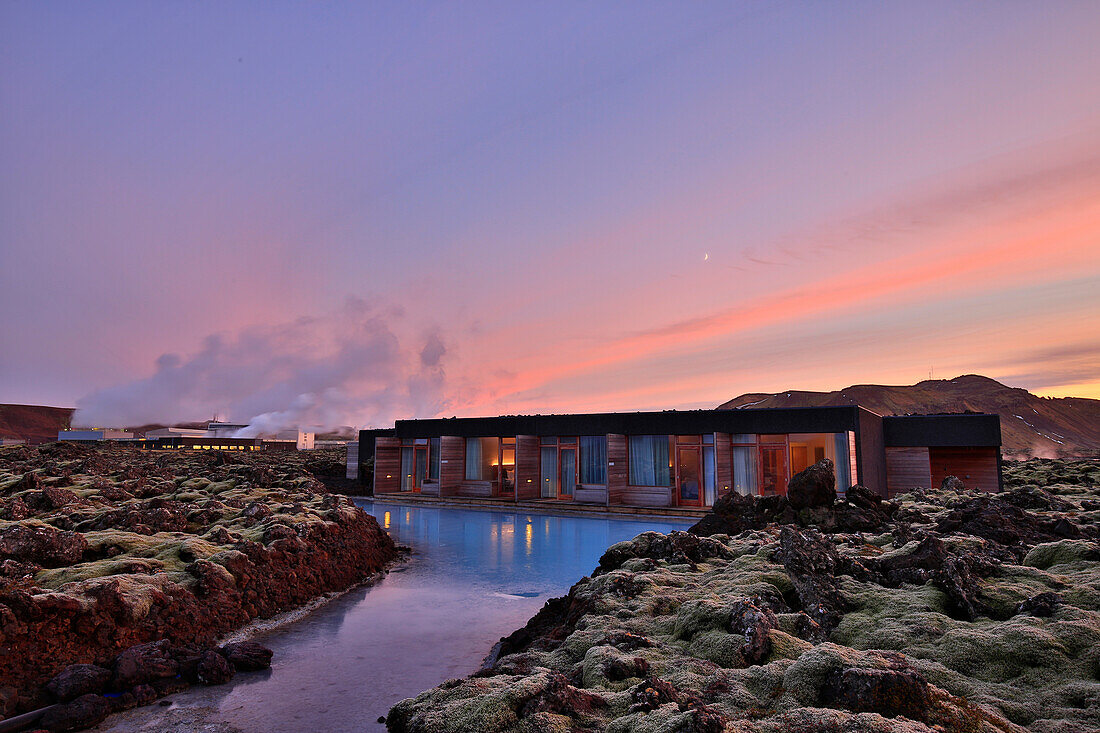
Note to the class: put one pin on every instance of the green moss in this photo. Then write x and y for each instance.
(1063, 552)
(700, 615)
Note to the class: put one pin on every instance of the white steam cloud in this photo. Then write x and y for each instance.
(347, 368)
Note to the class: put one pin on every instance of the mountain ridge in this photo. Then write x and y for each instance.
(1031, 426)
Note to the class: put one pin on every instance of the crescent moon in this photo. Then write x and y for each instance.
(706, 256)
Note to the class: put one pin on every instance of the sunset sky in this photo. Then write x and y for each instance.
(346, 213)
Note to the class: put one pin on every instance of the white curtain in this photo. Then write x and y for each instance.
(744, 471)
(649, 460)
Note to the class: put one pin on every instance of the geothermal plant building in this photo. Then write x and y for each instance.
(676, 458)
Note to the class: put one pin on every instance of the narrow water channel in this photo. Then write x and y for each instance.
(473, 577)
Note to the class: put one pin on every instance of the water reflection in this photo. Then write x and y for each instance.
(474, 576)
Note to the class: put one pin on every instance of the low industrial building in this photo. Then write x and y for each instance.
(96, 435)
(675, 458)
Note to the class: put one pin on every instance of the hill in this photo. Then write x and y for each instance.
(1031, 426)
(33, 423)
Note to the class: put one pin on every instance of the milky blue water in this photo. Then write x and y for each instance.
(474, 576)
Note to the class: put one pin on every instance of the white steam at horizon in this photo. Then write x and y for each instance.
(347, 368)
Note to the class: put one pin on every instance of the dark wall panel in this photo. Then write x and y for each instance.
(870, 452)
(527, 467)
(387, 465)
(452, 464)
(616, 468)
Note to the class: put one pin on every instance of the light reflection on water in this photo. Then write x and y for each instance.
(474, 576)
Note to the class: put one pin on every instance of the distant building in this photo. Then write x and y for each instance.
(12, 441)
(98, 434)
(175, 433)
(331, 443)
(282, 440)
(215, 429)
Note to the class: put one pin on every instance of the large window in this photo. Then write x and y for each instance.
(649, 460)
(593, 460)
(842, 462)
(481, 458)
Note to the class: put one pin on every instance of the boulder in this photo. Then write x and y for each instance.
(888, 692)
(83, 712)
(77, 680)
(753, 620)
(45, 546)
(813, 487)
(214, 669)
(145, 664)
(952, 483)
(1044, 604)
(247, 656)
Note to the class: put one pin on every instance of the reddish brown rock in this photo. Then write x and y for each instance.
(45, 546)
(214, 669)
(888, 692)
(145, 663)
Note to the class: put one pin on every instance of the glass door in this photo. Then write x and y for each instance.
(568, 472)
(548, 473)
(421, 468)
(773, 473)
(408, 469)
(688, 476)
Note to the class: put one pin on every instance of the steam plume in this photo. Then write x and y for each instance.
(346, 368)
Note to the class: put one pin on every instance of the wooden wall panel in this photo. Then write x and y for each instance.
(906, 469)
(853, 464)
(387, 465)
(652, 496)
(871, 452)
(452, 464)
(616, 468)
(723, 464)
(977, 467)
(527, 467)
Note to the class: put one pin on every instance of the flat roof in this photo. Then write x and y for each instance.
(759, 420)
(969, 429)
(962, 429)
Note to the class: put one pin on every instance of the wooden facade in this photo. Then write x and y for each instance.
(616, 468)
(889, 455)
(527, 467)
(387, 465)
(978, 468)
(907, 469)
(723, 464)
(452, 464)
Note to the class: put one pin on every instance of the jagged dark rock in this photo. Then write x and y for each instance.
(83, 712)
(814, 486)
(79, 679)
(888, 692)
(1042, 605)
(247, 656)
(753, 620)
